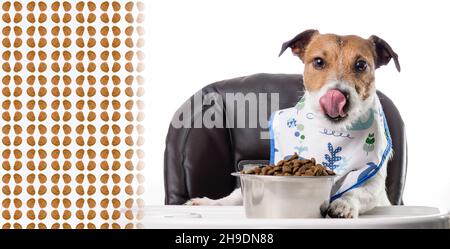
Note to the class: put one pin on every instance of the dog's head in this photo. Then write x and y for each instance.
(339, 73)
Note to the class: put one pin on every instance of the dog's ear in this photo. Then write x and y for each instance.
(384, 52)
(299, 43)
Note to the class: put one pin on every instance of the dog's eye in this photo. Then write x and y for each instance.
(318, 63)
(360, 65)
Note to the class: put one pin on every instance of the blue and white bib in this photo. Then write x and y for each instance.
(355, 154)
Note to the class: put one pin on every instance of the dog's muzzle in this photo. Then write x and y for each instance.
(334, 104)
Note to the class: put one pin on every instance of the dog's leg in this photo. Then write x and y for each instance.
(234, 199)
(362, 199)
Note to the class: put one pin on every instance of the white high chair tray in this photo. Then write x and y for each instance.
(234, 217)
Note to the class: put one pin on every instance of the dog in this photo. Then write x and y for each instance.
(346, 64)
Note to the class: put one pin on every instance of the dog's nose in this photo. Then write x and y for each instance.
(333, 102)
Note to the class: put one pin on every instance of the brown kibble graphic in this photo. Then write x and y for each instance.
(115, 92)
(55, 214)
(66, 203)
(129, 190)
(115, 128)
(6, 6)
(140, 165)
(42, 43)
(129, 92)
(6, 18)
(129, 30)
(55, 178)
(79, 203)
(129, 6)
(30, 203)
(129, 104)
(42, 18)
(104, 190)
(104, 6)
(91, 6)
(6, 215)
(61, 65)
(104, 203)
(79, 6)
(115, 5)
(129, 214)
(91, 18)
(91, 154)
(42, 178)
(42, 215)
(79, 104)
(90, 216)
(129, 141)
(66, 178)
(129, 55)
(115, 165)
(17, 18)
(104, 141)
(140, 6)
(17, 178)
(104, 18)
(31, 18)
(17, 190)
(91, 178)
(80, 18)
(115, 141)
(6, 178)
(129, 18)
(79, 178)
(55, 165)
(140, 18)
(55, 6)
(129, 178)
(30, 178)
(129, 154)
(55, 203)
(79, 189)
(104, 178)
(42, 203)
(104, 129)
(104, 214)
(66, 214)
(55, 190)
(91, 203)
(140, 30)
(116, 30)
(104, 31)
(129, 129)
(42, 190)
(79, 165)
(17, 214)
(129, 203)
(67, 6)
(55, 17)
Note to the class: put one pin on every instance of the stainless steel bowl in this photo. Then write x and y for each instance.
(284, 196)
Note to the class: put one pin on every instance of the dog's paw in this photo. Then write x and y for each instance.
(205, 201)
(343, 208)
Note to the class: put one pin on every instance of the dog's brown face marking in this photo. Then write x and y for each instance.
(348, 59)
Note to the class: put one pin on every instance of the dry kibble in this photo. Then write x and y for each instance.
(292, 167)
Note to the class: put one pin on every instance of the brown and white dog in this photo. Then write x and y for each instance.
(346, 63)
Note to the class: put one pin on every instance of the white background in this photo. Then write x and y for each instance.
(193, 43)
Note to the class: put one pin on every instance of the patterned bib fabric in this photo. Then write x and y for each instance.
(355, 154)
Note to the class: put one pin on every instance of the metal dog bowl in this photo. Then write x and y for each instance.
(284, 196)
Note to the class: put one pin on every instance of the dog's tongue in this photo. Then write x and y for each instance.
(332, 103)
